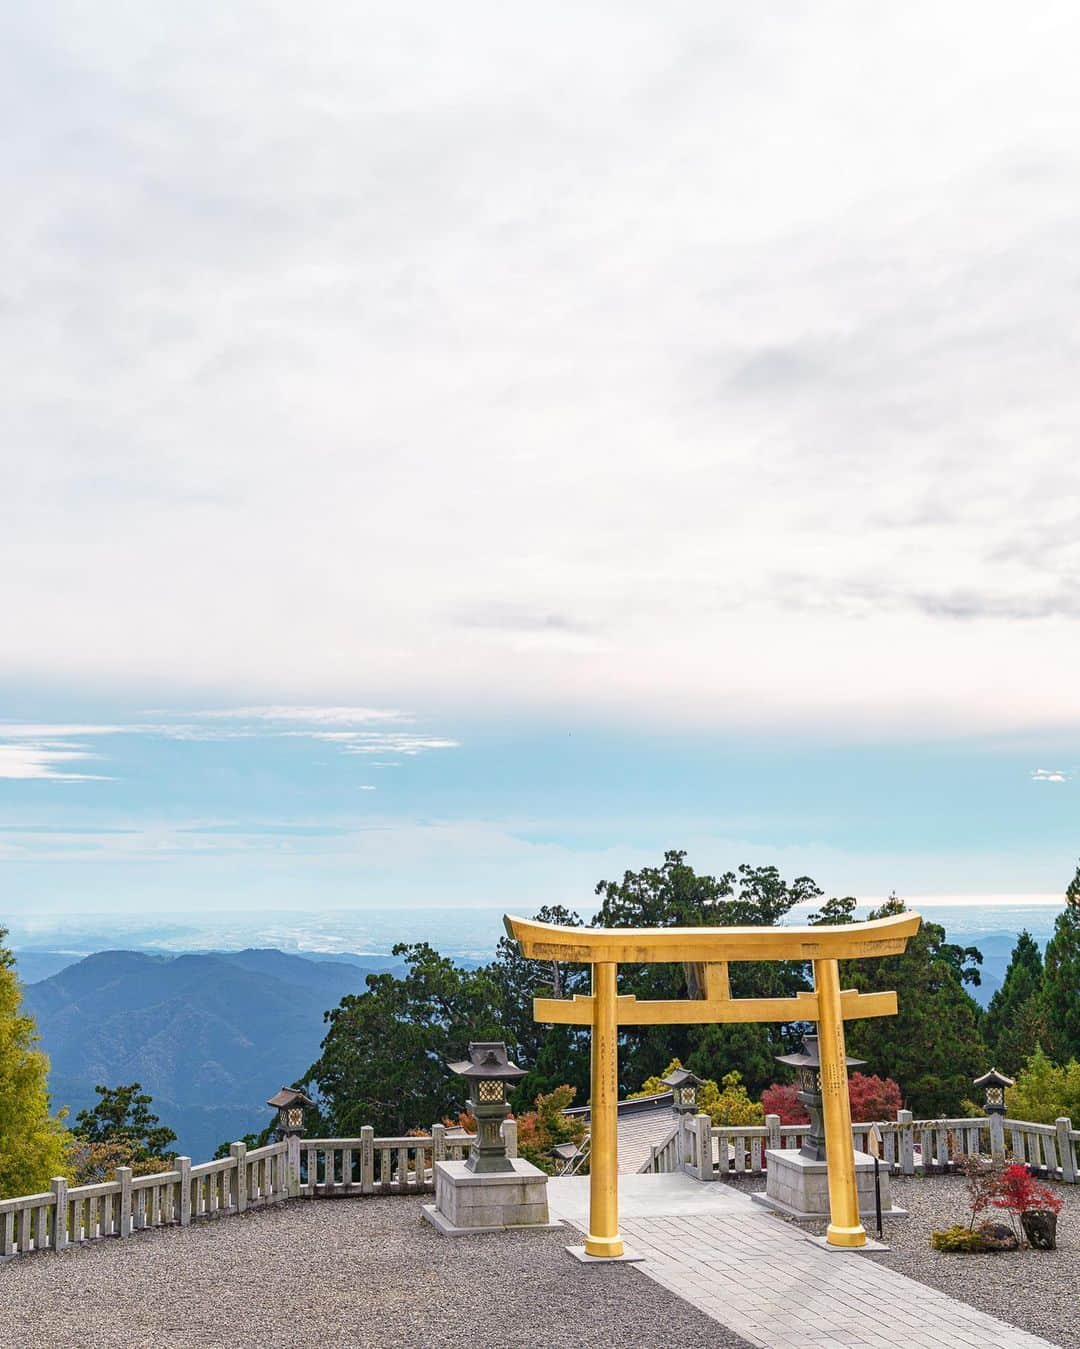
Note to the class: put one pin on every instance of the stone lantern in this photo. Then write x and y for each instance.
(807, 1065)
(994, 1084)
(488, 1071)
(289, 1103)
(684, 1089)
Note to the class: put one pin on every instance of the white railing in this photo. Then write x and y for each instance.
(909, 1146)
(64, 1215)
(666, 1156)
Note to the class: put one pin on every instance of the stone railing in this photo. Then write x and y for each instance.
(65, 1215)
(909, 1146)
(297, 1167)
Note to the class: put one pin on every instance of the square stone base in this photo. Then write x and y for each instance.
(871, 1247)
(800, 1188)
(466, 1202)
(628, 1256)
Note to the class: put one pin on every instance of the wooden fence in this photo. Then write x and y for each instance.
(909, 1146)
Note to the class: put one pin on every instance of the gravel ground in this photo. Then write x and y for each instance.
(1038, 1291)
(330, 1273)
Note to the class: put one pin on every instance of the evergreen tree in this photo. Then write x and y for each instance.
(384, 1057)
(123, 1113)
(1023, 983)
(934, 1046)
(674, 895)
(32, 1141)
(1061, 979)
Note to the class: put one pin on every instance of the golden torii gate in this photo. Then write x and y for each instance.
(709, 949)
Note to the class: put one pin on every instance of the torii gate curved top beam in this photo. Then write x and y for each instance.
(654, 945)
(711, 948)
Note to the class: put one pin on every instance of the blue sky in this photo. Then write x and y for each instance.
(658, 422)
(332, 807)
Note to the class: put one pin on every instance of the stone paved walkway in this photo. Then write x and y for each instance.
(769, 1283)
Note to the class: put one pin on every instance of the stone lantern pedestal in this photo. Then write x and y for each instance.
(491, 1191)
(469, 1201)
(799, 1187)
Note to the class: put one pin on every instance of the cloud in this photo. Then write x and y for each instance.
(318, 716)
(47, 761)
(39, 750)
(1050, 775)
(595, 362)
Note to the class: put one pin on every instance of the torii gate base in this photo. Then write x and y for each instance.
(710, 949)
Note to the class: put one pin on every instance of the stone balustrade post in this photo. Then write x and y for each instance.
(183, 1165)
(367, 1161)
(687, 1137)
(58, 1185)
(703, 1126)
(906, 1133)
(123, 1175)
(438, 1143)
(508, 1130)
(238, 1153)
(292, 1168)
(1066, 1155)
(997, 1136)
(772, 1131)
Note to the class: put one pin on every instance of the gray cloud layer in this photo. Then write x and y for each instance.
(601, 355)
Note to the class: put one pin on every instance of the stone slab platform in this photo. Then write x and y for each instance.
(466, 1201)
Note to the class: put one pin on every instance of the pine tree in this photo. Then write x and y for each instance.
(1014, 1013)
(1061, 979)
(32, 1142)
(934, 1046)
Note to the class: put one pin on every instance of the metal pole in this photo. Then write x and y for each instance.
(603, 1239)
(844, 1228)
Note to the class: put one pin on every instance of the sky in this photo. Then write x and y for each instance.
(451, 456)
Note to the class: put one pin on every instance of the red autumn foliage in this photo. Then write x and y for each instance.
(1017, 1192)
(872, 1098)
(780, 1099)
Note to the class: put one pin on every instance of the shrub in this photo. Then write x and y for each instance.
(988, 1237)
(1044, 1091)
(731, 1106)
(782, 1099)
(872, 1098)
(542, 1129)
(957, 1238)
(1017, 1192)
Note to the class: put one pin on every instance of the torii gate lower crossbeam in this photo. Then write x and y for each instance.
(713, 947)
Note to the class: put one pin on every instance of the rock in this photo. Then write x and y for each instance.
(998, 1237)
(1040, 1228)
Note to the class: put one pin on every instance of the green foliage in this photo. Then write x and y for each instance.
(123, 1114)
(32, 1141)
(934, 1046)
(250, 1141)
(552, 1055)
(958, 1238)
(1044, 1091)
(1061, 980)
(727, 1104)
(384, 1056)
(1015, 1019)
(730, 1103)
(655, 1085)
(546, 1126)
(674, 895)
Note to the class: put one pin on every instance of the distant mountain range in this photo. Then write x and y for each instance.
(209, 1036)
